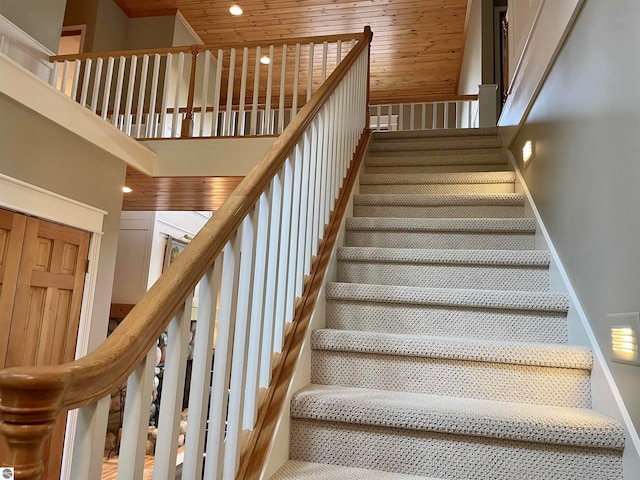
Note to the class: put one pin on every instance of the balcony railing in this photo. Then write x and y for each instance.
(202, 90)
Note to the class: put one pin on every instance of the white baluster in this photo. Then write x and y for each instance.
(85, 82)
(401, 117)
(205, 89)
(65, 73)
(107, 87)
(283, 258)
(446, 114)
(434, 113)
(320, 159)
(378, 108)
(229, 112)
(129, 101)
(216, 95)
(165, 96)
(96, 86)
(135, 423)
(313, 161)
(76, 79)
(295, 230)
(272, 275)
(222, 363)
(254, 354)
(256, 91)
(201, 372)
(304, 202)
(142, 90)
(310, 73)
(296, 79)
(240, 343)
(176, 100)
(325, 51)
(118, 97)
(268, 127)
(412, 123)
(164, 465)
(283, 75)
(243, 89)
(151, 119)
(424, 116)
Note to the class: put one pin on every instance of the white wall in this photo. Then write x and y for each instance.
(583, 178)
(521, 16)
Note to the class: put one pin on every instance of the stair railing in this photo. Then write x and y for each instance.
(252, 262)
(458, 111)
(202, 90)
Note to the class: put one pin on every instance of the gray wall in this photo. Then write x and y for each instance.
(41, 19)
(40, 152)
(585, 126)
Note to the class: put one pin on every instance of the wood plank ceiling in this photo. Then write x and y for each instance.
(417, 44)
(416, 55)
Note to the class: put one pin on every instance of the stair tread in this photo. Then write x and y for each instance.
(475, 225)
(474, 199)
(437, 178)
(532, 258)
(456, 415)
(491, 351)
(298, 470)
(471, 154)
(471, 298)
(437, 133)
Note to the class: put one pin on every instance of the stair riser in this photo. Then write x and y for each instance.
(439, 157)
(498, 167)
(448, 240)
(440, 321)
(458, 378)
(447, 456)
(445, 276)
(436, 133)
(446, 211)
(416, 144)
(439, 188)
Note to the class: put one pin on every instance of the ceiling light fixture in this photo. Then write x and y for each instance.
(236, 10)
(265, 60)
(126, 189)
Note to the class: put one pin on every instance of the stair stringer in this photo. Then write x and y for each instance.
(278, 454)
(605, 396)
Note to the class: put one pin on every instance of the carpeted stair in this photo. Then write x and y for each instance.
(445, 355)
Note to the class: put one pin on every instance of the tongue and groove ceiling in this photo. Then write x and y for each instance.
(417, 44)
(416, 55)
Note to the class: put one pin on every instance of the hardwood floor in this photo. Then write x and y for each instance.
(110, 467)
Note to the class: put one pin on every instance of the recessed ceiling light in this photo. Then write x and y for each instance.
(127, 189)
(265, 60)
(235, 10)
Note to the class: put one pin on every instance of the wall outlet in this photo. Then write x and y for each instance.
(624, 337)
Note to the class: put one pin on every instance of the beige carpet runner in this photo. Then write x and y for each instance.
(445, 355)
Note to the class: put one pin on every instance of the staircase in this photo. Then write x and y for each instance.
(445, 355)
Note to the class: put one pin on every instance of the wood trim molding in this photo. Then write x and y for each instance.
(252, 461)
(424, 99)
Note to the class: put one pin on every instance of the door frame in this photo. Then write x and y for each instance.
(25, 198)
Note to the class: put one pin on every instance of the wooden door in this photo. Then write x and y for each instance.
(42, 317)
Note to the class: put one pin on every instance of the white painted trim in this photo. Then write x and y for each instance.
(182, 229)
(25, 88)
(32, 200)
(83, 33)
(24, 49)
(29, 199)
(600, 362)
(549, 30)
(188, 26)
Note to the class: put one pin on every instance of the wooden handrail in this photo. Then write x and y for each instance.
(203, 48)
(32, 397)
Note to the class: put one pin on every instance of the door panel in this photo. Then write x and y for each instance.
(42, 274)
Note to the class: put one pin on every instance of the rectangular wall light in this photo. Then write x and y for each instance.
(527, 151)
(624, 337)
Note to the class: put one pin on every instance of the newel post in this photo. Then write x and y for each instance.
(28, 413)
(187, 123)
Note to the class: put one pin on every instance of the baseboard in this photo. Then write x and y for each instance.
(606, 397)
